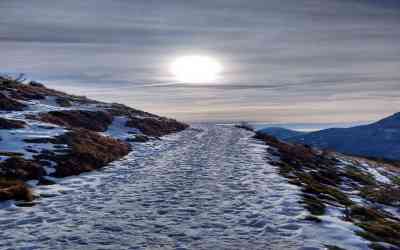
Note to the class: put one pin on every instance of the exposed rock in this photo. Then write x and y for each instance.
(91, 120)
(11, 124)
(156, 126)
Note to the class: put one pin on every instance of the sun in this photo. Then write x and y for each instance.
(195, 69)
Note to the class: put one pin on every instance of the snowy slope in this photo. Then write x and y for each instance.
(44, 132)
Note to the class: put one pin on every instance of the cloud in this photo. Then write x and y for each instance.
(289, 55)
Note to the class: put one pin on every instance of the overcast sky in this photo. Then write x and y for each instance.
(284, 60)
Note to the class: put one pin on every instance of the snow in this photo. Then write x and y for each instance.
(333, 230)
(118, 129)
(377, 175)
(13, 140)
(375, 171)
(3, 158)
(50, 169)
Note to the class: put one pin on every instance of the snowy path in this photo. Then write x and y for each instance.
(195, 190)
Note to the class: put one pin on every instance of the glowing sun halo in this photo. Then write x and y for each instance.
(195, 69)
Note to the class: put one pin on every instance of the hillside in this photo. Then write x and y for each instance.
(45, 133)
(281, 133)
(339, 191)
(380, 139)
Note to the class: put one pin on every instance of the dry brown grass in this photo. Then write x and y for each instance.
(88, 151)
(92, 120)
(14, 189)
(320, 178)
(156, 126)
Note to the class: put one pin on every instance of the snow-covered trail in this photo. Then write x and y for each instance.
(209, 189)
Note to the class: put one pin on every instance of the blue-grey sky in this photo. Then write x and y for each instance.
(284, 60)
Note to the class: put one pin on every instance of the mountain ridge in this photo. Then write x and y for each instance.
(380, 139)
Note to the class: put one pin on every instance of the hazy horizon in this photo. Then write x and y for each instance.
(316, 61)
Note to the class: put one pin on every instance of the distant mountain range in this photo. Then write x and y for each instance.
(380, 139)
(282, 133)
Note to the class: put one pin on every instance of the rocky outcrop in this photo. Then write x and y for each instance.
(91, 120)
